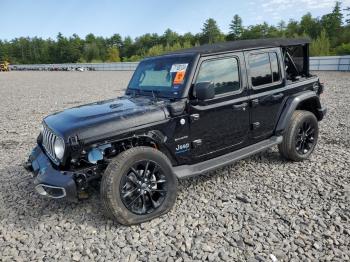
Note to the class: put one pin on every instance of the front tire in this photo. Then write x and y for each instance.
(301, 136)
(138, 185)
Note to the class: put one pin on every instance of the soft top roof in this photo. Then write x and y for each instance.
(243, 44)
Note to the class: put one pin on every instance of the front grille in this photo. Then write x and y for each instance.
(48, 143)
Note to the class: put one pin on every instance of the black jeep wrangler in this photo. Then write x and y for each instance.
(183, 114)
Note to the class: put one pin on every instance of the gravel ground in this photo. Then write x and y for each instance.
(259, 209)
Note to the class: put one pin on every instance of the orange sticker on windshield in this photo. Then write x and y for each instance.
(179, 77)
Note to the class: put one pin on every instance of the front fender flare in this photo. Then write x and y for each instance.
(161, 140)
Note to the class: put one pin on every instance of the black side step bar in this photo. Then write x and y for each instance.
(185, 171)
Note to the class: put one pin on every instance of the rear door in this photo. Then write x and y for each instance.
(265, 79)
(221, 124)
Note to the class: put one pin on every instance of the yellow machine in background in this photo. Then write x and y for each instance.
(4, 66)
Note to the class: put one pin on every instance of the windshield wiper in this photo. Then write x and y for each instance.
(154, 96)
(133, 91)
(155, 93)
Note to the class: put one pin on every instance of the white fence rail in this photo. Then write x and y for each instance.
(122, 66)
(330, 63)
(321, 63)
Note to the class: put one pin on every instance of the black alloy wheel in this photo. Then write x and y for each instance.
(300, 137)
(138, 185)
(305, 138)
(143, 188)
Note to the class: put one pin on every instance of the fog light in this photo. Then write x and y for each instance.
(40, 190)
(50, 191)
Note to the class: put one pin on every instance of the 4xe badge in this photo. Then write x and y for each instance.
(182, 148)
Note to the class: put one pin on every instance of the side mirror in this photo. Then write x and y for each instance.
(204, 90)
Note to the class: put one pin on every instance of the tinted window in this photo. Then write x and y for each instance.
(222, 72)
(260, 70)
(275, 68)
(297, 54)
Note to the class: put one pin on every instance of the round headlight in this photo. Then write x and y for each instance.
(59, 148)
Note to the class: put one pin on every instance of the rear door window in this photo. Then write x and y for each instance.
(276, 76)
(264, 69)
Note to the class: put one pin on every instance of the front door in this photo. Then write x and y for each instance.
(265, 77)
(221, 124)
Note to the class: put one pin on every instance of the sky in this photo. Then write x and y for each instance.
(45, 18)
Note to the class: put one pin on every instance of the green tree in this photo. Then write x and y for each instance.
(155, 50)
(310, 26)
(236, 28)
(188, 38)
(169, 37)
(332, 22)
(145, 42)
(4, 55)
(293, 28)
(115, 41)
(320, 46)
(127, 49)
(343, 49)
(91, 52)
(281, 27)
(68, 50)
(260, 31)
(187, 44)
(211, 32)
(134, 58)
(347, 20)
(113, 54)
(176, 46)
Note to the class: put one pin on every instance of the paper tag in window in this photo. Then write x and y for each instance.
(178, 68)
(179, 77)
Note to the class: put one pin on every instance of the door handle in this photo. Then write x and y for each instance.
(255, 102)
(194, 117)
(240, 106)
(277, 97)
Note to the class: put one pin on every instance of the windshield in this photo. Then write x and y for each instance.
(161, 77)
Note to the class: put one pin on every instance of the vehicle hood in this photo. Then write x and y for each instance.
(106, 118)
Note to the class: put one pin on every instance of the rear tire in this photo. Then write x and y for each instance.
(138, 185)
(301, 136)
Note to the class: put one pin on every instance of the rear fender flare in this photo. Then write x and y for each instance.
(292, 104)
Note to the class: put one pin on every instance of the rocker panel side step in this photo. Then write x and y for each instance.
(185, 171)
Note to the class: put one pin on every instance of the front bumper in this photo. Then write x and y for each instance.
(49, 181)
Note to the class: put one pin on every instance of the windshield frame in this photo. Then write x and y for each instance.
(182, 92)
